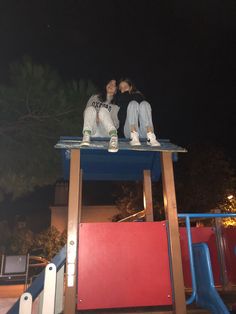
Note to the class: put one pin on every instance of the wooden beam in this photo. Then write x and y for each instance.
(74, 207)
(80, 199)
(147, 195)
(173, 231)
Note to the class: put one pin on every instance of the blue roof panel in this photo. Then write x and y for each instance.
(125, 165)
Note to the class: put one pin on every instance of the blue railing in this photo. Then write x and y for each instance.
(187, 218)
(38, 284)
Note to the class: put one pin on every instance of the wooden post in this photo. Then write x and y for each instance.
(80, 198)
(72, 232)
(174, 239)
(147, 195)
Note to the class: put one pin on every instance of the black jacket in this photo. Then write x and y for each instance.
(122, 100)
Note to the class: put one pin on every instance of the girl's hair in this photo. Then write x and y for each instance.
(102, 96)
(132, 85)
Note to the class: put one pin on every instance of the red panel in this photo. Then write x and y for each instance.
(123, 265)
(201, 234)
(230, 256)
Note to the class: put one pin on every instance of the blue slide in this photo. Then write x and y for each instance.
(206, 297)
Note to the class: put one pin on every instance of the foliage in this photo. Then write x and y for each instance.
(203, 176)
(22, 241)
(129, 200)
(36, 108)
(229, 206)
(4, 236)
(49, 242)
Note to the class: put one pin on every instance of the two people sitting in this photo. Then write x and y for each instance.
(125, 109)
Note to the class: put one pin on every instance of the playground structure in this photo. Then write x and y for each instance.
(133, 264)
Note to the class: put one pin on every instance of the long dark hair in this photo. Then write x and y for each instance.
(102, 95)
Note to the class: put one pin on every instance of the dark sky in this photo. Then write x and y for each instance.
(181, 54)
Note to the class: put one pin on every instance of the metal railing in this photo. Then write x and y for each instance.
(36, 292)
(187, 218)
(48, 299)
(141, 214)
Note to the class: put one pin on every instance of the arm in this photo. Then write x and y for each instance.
(137, 96)
(114, 115)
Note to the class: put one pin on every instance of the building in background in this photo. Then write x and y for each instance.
(90, 213)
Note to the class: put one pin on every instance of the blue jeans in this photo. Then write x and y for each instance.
(139, 116)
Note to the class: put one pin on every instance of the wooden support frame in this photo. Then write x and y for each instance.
(147, 195)
(74, 209)
(173, 232)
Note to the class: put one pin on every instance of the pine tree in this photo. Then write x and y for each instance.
(36, 108)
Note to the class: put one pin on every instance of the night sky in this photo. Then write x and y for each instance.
(181, 54)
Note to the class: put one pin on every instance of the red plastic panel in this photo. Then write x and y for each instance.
(229, 235)
(200, 234)
(123, 265)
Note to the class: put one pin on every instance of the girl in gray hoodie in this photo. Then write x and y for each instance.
(101, 117)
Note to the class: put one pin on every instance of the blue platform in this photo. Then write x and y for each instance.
(125, 165)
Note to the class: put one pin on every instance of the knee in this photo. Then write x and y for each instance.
(89, 110)
(144, 105)
(133, 105)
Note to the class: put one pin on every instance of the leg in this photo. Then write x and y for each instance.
(107, 122)
(131, 127)
(131, 122)
(90, 115)
(145, 118)
(146, 124)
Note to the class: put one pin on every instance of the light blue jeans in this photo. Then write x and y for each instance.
(139, 116)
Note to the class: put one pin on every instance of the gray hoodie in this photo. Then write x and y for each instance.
(112, 108)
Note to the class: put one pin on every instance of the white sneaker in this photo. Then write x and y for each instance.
(151, 139)
(113, 145)
(86, 139)
(134, 139)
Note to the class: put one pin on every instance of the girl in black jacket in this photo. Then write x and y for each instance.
(135, 114)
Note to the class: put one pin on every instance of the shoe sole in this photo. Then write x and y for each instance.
(138, 144)
(85, 144)
(157, 145)
(113, 150)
